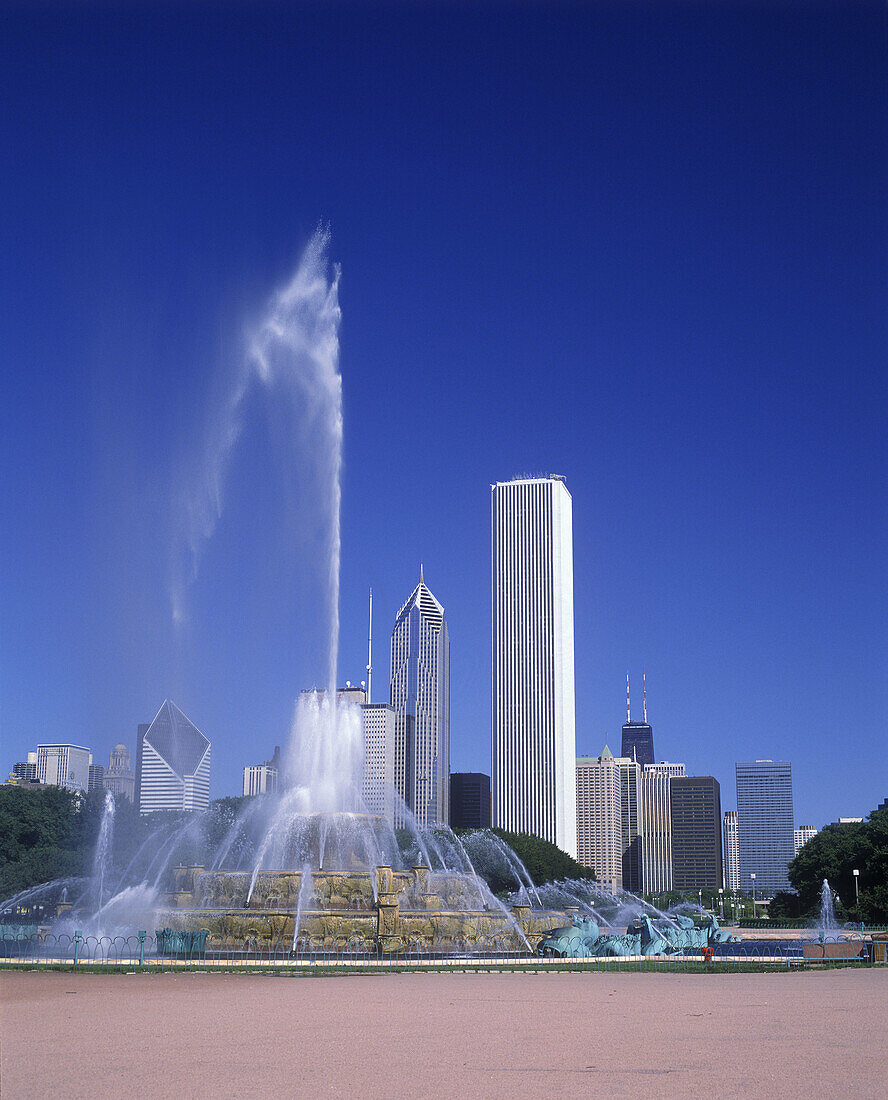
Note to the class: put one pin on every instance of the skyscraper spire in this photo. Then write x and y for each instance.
(421, 581)
(628, 715)
(370, 648)
(644, 692)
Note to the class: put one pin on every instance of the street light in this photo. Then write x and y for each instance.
(856, 874)
(752, 876)
(721, 901)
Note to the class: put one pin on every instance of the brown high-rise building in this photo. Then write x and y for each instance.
(695, 809)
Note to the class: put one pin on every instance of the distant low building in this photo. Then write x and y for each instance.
(469, 800)
(802, 835)
(24, 773)
(119, 778)
(64, 766)
(263, 778)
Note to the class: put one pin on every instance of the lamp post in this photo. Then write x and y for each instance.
(856, 874)
(752, 876)
(700, 896)
(721, 901)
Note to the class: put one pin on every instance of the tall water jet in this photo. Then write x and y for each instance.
(102, 857)
(293, 351)
(827, 919)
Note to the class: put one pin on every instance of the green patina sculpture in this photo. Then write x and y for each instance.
(582, 939)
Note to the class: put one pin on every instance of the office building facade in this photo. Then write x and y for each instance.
(630, 815)
(420, 697)
(731, 852)
(599, 817)
(695, 807)
(638, 742)
(260, 779)
(469, 800)
(175, 764)
(533, 776)
(24, 772)
(765, 825)
(802, 835)
(656, 826)
(378, 724)
(64, 766)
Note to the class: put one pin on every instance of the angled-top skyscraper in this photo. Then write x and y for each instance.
(420, 696)
(174, 763)
(533, 782)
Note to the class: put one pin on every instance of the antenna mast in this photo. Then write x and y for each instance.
(370, 647)
(628, 716)
(644, 692)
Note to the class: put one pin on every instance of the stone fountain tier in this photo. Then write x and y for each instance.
(418, 888)
(350, 910)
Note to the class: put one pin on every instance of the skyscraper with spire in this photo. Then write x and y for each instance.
(420, 696)
(638, 737)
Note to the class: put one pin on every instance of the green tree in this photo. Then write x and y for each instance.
(833, 854)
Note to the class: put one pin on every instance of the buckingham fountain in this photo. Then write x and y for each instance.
(310, 868)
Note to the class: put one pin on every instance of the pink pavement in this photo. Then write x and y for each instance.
(445, 1035)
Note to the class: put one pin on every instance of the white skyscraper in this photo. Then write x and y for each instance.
(656, 826)
(533, 782)
(420, 696)
(599, 817)
(732, 851)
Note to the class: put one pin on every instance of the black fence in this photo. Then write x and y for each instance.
(165, 950)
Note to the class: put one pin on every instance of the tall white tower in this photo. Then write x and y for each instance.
(533, 784)
(420, 696)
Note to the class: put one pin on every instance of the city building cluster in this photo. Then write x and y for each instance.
(642, 825)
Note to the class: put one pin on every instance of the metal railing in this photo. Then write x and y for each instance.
(144, 950)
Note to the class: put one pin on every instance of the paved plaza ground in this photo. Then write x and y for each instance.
(445, 1035)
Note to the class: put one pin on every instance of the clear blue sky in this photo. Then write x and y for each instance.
(645, 247)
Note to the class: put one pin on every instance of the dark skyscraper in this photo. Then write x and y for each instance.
(469, 800)
(695, 806)
(638, 737)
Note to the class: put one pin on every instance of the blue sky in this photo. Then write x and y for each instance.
(640, 246)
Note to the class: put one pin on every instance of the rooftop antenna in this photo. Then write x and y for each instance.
(644, 692)
(370, 647)
(421, 581)
(628, 717)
